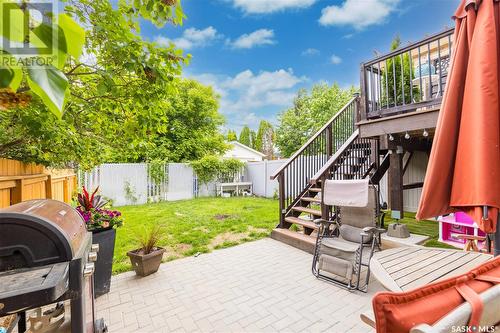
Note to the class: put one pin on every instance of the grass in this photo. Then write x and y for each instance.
(205, 224)
(424, 227)
(195, 226)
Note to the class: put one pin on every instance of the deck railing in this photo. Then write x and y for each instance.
(406, 79)
(294, 176)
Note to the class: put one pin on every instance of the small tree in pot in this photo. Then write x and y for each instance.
(147, 259)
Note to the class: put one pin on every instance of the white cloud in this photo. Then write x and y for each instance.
(247, 92)
(191, 38)
(358, 14)
(311, 52)
(335, 59)
(270, 6)
(257, 38)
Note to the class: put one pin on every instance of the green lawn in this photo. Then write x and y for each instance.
(424, 227)
(199, 225)
(202, 225)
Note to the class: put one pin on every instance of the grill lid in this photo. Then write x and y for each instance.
(39, 232)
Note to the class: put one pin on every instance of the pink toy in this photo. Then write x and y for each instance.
(459, 223)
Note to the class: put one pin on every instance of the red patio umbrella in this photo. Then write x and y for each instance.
(464, 166)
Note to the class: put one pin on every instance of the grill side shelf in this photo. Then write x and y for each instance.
(27, 288)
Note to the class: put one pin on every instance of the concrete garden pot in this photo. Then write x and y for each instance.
(146, 264)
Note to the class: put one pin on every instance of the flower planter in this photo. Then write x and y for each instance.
(104, 263)
(146, 264)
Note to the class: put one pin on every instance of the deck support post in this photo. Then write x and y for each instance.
(325, 209)
(281, 190)
(396, 182)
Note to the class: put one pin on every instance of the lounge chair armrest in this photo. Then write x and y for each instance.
(373, 230)
(323, 221)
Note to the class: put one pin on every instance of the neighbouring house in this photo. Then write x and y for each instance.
(384, 133)
(243, 153)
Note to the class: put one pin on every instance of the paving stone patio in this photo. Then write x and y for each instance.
(261, 286)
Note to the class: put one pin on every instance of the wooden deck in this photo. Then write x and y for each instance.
(403, 269)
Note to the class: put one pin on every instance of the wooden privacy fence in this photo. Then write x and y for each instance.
(25, 181)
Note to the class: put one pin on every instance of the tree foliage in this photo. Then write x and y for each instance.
(231, 136)
(309, 112)
(125, 101)
(396, 77)
(188, 128)
(264, 141)
(247, 137)
(49, 78)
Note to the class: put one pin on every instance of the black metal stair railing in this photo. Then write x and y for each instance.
(355, 159)
(295, 175)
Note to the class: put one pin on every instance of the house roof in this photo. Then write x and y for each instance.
(246, 147)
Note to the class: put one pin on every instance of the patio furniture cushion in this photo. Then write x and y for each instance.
(338, 247)
(399, 312)
(353, 234)
(361, 216)
(340, 244)
(460, 316)
(352, 193)
(337, 266)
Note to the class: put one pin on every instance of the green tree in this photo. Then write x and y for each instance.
(246, 137)
(188, 127)
(264, 142)
(231, 136)
(310, 111)
(253, 138)
(396, 77)
(50, 81)
(117, 93)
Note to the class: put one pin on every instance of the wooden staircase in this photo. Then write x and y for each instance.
(335, 152)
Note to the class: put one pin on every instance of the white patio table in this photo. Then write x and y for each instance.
(406, 268)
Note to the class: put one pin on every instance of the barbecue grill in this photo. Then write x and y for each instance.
(46, 258)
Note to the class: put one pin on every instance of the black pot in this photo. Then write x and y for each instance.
(104, 263)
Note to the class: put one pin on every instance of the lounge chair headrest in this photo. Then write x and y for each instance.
(347, 193)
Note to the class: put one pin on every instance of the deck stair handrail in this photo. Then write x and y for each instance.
(346, 160)
(295, 175)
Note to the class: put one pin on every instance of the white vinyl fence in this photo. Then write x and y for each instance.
(259, 174)
(125, 183)
(134, 183)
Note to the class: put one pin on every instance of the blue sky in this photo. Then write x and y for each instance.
(258, 53)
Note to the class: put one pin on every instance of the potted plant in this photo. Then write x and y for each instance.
(101, 221)
(147, 259)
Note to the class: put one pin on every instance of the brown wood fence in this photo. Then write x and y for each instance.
(25, 181)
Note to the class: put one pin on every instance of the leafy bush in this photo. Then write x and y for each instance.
(210, 168)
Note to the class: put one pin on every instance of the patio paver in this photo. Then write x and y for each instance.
(261, 286)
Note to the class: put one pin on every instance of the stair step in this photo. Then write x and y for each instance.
(311, 199)
(295, 239)
(305, 223)
(314, 189)
(311, 211)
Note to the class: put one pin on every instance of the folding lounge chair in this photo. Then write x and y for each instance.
(346, 243)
